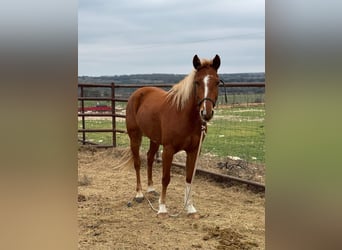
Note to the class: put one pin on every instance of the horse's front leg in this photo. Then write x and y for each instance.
(190, 167)
(167, 157)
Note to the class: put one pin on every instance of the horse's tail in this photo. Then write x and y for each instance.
(126, 160)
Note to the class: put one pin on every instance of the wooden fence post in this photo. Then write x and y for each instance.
(83, 121)
(113, 114)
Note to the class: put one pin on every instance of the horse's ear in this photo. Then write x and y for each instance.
(196, 62)
(216, 62)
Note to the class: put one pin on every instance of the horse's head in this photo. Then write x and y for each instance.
(207, 81)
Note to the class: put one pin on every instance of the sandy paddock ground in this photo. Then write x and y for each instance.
(230, 217)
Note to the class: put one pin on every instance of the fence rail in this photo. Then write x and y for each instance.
(112, 97)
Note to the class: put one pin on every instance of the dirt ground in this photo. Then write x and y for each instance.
(228, 166)
(230, 217)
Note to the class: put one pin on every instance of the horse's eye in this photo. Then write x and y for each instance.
(217, 83)
(197, 83)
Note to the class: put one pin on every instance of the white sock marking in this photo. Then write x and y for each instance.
(150, 189)
(139, 194)
(191, 209)
(188, 199)
(162, 209)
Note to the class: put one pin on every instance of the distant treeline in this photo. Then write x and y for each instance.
(167, 78)
(150, 79)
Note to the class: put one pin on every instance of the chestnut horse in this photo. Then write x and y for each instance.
(172, 119)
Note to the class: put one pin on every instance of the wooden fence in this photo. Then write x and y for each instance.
(112, 98)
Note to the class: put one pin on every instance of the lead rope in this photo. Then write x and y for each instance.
(203, 128)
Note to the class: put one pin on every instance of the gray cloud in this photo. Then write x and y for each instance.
(150, 36)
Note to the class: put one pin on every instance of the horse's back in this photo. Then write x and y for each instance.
(145, 96)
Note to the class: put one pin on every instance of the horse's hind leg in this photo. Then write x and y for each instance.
(135, 139)
(167, 156)
(150, 159)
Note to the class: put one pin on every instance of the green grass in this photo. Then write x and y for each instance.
(105, 138)
(237, 98)
(234, 131)
(237, 132)
(100, 102)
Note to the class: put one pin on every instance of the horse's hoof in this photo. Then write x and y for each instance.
(139, 199)
(163, 215)
(194, 216)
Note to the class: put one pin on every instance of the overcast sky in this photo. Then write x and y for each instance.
(162, 36)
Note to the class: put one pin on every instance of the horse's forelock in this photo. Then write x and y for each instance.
(206, 62)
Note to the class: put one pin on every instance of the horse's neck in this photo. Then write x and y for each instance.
(192, 110)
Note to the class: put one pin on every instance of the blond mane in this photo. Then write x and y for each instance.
(180, 93)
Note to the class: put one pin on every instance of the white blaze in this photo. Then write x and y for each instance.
(206, 82)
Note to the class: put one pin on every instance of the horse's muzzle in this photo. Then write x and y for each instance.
(206, 116)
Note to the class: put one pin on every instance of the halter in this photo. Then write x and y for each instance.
(206, 99)
(214, 103)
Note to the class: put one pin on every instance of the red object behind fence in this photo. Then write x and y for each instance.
(95, 109)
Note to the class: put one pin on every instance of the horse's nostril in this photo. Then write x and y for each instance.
(206, 115)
